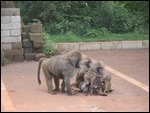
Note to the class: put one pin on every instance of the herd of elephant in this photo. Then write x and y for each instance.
(89, 73)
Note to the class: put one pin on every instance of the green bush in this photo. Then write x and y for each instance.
(92, 33)
(49, 44)
(86, 17)
(96, 32)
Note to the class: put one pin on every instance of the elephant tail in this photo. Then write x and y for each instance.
(39, 67)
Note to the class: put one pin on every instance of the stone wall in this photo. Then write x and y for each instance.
(11, 33)
(32, 40)
(18, 42)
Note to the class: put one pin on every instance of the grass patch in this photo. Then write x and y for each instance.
(106, 37)
(50, 41)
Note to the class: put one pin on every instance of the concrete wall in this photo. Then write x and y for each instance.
(64, 47)
(11, 33)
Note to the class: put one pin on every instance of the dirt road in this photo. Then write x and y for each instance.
(20, 90)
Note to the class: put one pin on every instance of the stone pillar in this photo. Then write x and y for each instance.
(32, 40)
(11, 33)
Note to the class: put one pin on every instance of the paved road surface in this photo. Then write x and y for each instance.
(20, 90)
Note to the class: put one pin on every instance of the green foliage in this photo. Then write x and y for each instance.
(114, 17)
(104, 31)
(86, 18)
(96, 32)
(92, 33)
(49, 44)
(138, 6)
(70, 37)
